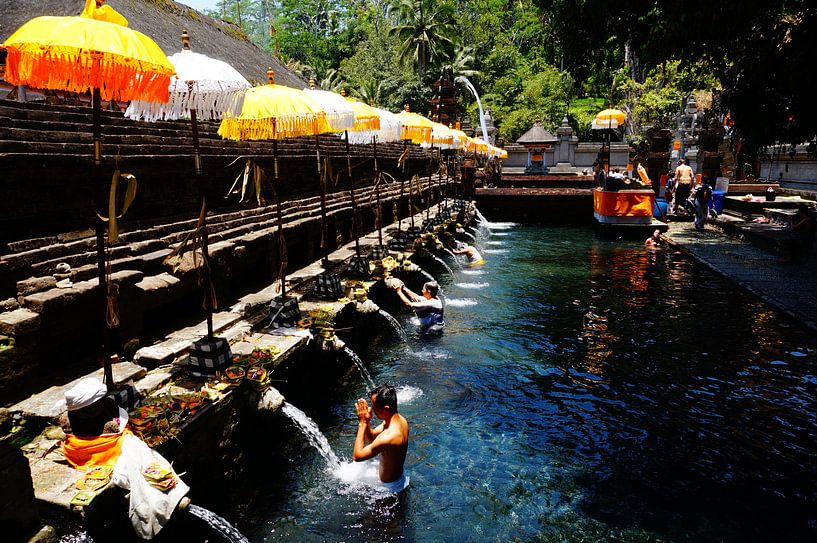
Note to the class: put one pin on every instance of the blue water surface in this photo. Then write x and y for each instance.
(584, 390)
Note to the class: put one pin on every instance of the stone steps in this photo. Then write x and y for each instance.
(49, 251)
(56, 125)
(52, 326)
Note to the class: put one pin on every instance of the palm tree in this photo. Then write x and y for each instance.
(423, 31)
(370, 92)
(332, 81)
(463, 63)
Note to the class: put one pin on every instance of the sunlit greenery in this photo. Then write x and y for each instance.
(544, 59)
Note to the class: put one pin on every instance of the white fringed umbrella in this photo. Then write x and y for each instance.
(339, 113)
(207, 85)
(341, 117)
(202, 87)
(389, 131)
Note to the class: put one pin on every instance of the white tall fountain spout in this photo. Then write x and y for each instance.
(468, 84)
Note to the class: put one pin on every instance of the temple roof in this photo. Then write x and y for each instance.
(163, 21)
(537, 134)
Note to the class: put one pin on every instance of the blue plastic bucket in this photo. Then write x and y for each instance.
(659, 209)
(717, 200)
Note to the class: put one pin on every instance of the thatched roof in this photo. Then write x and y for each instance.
(536, 134)
(164, 20)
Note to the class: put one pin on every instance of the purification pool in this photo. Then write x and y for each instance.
(584, 390)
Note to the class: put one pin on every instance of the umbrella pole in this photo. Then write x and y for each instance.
(96, 116)
(324, 233)
(205, 252)
(430, 181)
(440, 182)
(282, 257)
(377, 193)
(355, 231)
(402, 189)
(447, 176)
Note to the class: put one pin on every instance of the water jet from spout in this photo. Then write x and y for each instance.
(312, 433)
(217, 523)
(360, 366)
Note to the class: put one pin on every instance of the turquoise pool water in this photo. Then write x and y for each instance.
(584, 390)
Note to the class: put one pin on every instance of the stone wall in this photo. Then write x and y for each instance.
(46, 207)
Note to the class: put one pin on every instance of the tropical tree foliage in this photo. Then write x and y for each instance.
(424, 32)
(544, 59)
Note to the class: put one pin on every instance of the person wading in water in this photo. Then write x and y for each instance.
(389, 439)
(428, 307)
(474, 258)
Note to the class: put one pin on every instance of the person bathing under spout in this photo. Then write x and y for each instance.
(389, 439)
(474, 258)
(428, 307)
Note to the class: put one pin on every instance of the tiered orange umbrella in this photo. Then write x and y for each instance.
(95, 51)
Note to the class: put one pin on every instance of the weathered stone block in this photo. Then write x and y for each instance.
(157, 282)
(126, 277)
(9, 304)
(19, 321)
(40, 302)
(35, 284)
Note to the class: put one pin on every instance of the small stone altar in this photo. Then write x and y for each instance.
(537, 141)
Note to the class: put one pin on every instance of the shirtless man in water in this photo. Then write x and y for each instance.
(389, 439)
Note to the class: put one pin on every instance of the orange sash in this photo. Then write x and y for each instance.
(87, 452)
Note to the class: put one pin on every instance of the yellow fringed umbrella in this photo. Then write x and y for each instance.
(274, 112)
(609, 118)
(477, 146)
(415, 127)
(367, 118)
(95, 51)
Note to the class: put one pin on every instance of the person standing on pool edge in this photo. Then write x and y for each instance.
(389, 439)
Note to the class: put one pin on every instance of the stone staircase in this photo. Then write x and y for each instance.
(55, 329)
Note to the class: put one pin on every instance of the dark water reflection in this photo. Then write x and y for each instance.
(597, 391)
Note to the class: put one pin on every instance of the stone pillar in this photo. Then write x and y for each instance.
(565, 152)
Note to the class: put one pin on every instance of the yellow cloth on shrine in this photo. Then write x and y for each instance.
(624, 203)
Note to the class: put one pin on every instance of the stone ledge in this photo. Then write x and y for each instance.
(19, 321)
(47, 404)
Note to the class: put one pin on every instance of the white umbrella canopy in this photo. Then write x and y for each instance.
(210, 86)
(339, 114)
(390, 128)
(604, 125)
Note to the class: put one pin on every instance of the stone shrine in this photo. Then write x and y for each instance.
(536, 141)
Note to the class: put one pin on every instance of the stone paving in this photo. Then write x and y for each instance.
(790, 287)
